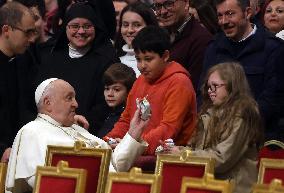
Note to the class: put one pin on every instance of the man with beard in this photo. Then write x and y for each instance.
(260, 55)
(189, 39)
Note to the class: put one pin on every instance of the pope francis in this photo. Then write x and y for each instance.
(54, 125)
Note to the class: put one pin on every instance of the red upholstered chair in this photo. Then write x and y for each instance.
(60, 179)
(275, 186)
(207, 184)
(133, 182)
(270, 169)
(3, 172)
(95, 160)
(173, 167)
(146, 162)
(272, 149)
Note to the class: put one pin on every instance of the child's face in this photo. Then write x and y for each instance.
(151, 65)
(216, 88)
(132, 23)
(115, 94)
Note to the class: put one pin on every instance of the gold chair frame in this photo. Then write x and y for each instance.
(3, 172)
(135, 176)
(206, 183)
(268, 163)
(62, 170)
(184, 158)
(274, 142)
(80, 149)
(275, 186)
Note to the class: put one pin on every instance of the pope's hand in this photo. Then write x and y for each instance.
(137, 125)
(6, 155)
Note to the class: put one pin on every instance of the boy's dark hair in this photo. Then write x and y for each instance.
(152, 39)
(119, 73)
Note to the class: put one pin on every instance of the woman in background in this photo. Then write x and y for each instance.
(273, 17)
(133, 18)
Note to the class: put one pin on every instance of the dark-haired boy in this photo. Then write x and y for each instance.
(166, 86)
(118, 80)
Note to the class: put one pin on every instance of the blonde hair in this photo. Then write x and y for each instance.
(238, 104)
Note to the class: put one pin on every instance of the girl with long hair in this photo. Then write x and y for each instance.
(229, 126)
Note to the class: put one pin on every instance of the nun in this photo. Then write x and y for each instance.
(80, 55)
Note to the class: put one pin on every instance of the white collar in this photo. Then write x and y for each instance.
(49, 119)
(254, 28)
(128, 50)
(77, 53)
(71, 131)
(280, 34)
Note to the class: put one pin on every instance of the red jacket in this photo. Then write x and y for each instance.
(173, 108)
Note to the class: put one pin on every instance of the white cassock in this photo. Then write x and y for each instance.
(30, 145)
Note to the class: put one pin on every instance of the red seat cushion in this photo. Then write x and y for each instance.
(123, 187)
(51, 184)
(271, 173)
(173, 173)
(146, 163)
(194, 190)
(91, 164)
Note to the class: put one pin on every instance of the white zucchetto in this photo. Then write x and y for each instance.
(41, 88)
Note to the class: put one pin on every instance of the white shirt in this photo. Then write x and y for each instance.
(129, 59)
(254, 28)
(30, 145)
(280, 34)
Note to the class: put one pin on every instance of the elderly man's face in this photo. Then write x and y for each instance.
(171, 12)
(234, 21)
(80, 32)
(63, 103)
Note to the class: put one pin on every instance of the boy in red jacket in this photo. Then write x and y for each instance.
(166, 85)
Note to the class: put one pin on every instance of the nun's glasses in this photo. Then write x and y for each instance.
(76, 27)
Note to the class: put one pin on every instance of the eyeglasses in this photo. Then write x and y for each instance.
(167, 5)
(278, 10)
(213, 87)
(76, 27)
(28, 33)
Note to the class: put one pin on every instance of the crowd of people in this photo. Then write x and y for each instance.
(129, 75)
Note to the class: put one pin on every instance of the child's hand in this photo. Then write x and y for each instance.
(172, 149)
(113, 142)
(168, 147)
(118, 140)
